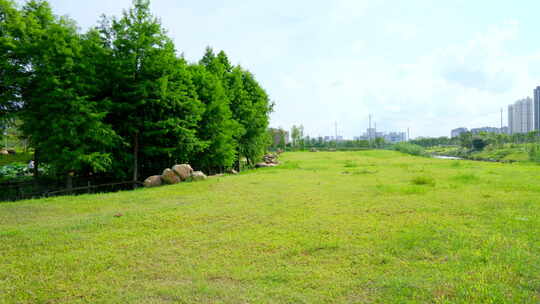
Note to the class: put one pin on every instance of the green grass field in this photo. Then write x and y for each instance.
(326, 227)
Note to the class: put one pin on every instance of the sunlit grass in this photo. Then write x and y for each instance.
(325, 227)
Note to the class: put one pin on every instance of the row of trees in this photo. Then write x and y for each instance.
(475, 141)
(118, 98)
(301, 142)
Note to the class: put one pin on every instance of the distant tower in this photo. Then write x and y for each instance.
(521, 116)
(536, 106)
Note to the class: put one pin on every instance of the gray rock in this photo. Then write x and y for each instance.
(198, 176)
(4, 152)
(216, 175)
(262, 165)
(232, 171)
(169, 177)
(183, 171)
(153, 181)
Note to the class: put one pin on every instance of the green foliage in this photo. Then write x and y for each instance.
(13, 170)
(251, 108)
(217, 128)
(297, 135)
(534, 153)
(61, 115)
(118, 99)
(18, 170)
(434, 141)
(320, 144)
(409, 148)
(478, 144)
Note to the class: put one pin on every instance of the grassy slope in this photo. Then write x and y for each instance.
(328, 227)
(510, 152)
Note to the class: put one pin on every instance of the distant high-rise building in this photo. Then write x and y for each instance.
(390, 137)
(395, 137)
(485, 130)
(520, 116)
(279, 135)
(457, 132)
(536, 109)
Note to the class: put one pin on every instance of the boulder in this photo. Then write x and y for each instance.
(152, 181)
(183, 171)
(216, 175)
(232, 171)
(4, 152)
(198, 176)
(262, 165)
(270, 158)
(169, 177)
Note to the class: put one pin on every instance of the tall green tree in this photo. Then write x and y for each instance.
(217, 128)
(153, 104)
(62, 115)
(297, 135)
(251, 108)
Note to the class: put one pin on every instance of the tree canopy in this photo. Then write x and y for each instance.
(119, 100)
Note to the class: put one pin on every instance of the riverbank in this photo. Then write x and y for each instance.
(508, 153)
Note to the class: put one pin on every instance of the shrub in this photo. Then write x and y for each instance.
(410, 149)
(423, 181)
(478, 144)
(350, 164)
(13, 170)
(534, 153)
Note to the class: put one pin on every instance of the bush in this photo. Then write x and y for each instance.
(534, 153)
(19, 171)
(410, 149)
(423, 180)
(13, 170)
(478, 144)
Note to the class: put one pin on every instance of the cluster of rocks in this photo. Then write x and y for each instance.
(175, 175)
(270, 160)
(7, 151)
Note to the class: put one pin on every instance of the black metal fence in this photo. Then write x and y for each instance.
(39, 188)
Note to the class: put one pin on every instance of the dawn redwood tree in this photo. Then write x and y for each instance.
(251, 107)
(61, 114)
(172, 123)
(249, 104)
(12, 64)
(153, 104)
(217, 128)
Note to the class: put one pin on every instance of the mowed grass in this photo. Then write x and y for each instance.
(326, 227)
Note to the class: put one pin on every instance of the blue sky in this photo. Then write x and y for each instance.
(428, 65)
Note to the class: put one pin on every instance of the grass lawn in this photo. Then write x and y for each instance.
(326, 227)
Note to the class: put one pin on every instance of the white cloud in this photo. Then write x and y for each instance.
(326, 61)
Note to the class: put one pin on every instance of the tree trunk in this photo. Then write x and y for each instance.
(238, 163)
(69, 182)
(36, 164)
(136, 157)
